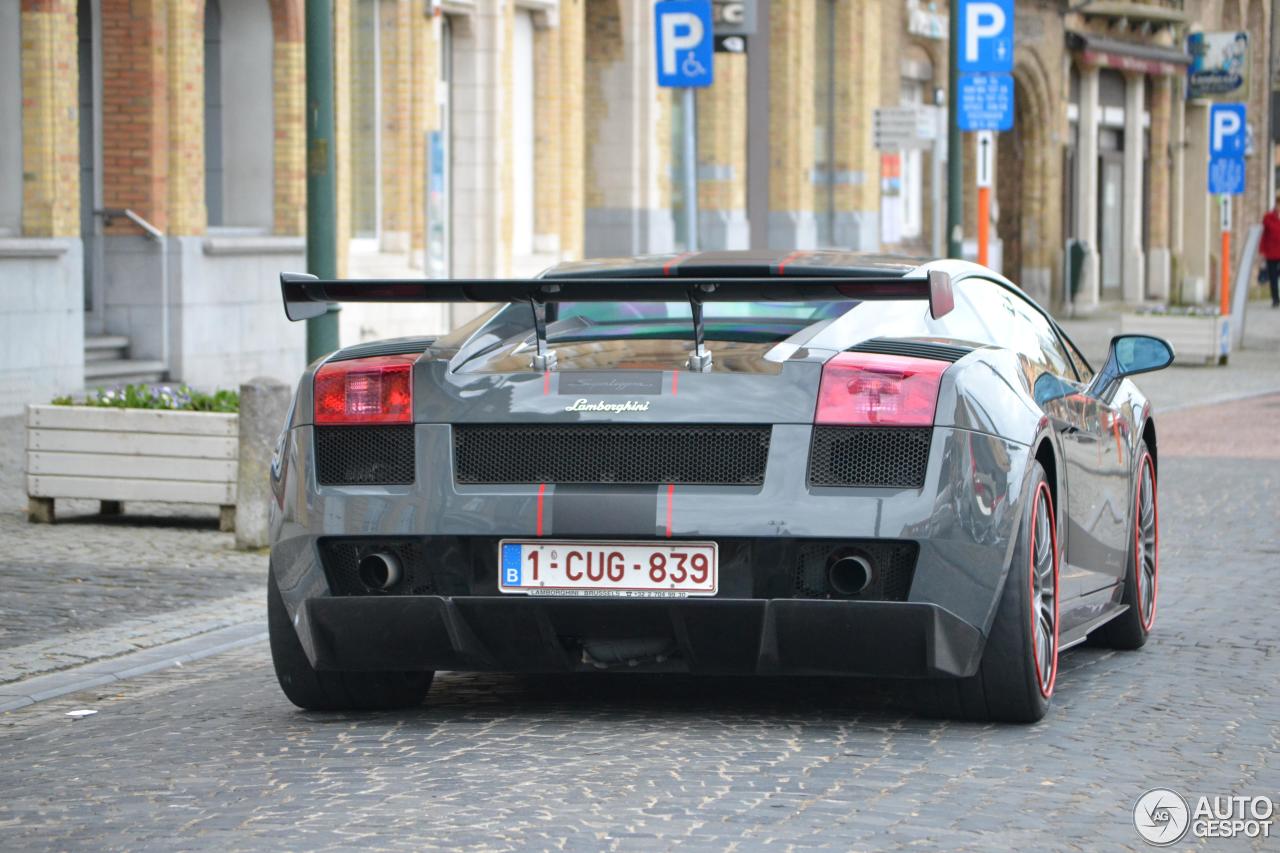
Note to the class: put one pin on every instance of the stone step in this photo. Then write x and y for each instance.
(119, 371)
(106, 348)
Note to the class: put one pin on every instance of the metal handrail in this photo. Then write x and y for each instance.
(110, 213)
(153, 233)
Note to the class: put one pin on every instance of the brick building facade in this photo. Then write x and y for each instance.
(152, 159)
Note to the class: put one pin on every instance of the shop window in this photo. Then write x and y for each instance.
(239, 125)
(366, 102)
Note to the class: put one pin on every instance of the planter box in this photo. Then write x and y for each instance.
(1204, 339)
(115, 455)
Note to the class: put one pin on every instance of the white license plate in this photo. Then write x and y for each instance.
(621, 569)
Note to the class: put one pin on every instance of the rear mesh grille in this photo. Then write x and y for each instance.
(364, 455)
(869, 456)
(611, 453)
(893, 567)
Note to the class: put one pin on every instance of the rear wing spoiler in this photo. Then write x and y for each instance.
(306, 296)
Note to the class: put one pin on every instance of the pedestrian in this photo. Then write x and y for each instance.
(1270, 248)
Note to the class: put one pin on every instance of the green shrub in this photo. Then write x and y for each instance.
(179, 399)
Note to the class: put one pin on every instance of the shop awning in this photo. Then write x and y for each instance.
(1128, 56)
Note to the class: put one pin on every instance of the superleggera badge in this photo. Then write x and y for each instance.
(581, 405)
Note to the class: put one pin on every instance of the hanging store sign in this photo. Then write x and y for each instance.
(734, 17)
(924, 20)
(1219, 66)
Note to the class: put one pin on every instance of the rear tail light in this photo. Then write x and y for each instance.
(869, 389)
(377, 390)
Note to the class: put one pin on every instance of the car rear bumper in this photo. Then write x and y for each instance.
(712, 636)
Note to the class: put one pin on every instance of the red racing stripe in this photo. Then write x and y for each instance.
(671, 492)
(542, 488)
(546, 382)
(675, 383)
(669, 267)
(782, 264)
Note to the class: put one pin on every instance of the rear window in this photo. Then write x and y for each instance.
(745, 321)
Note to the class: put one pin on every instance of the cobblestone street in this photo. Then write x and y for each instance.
(211, 756)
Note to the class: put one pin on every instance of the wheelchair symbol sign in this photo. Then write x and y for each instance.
(684, 42)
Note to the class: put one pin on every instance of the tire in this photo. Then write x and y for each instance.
(1019, 667)
(324, 690)
(1130, 629)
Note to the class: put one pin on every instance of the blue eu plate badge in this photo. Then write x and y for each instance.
(511, 564)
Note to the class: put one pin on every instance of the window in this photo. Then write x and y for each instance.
(522, 135)
(1011, 321)
(366, 184)
(10, 130)
(239, 114)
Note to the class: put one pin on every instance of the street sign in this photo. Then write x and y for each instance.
(1227, 134)
(898, 128)
(1228, 141)
(1226, 175)
(731, 44)
(684, 42)
(985, 102)
(986, 151)
(735, 17)
(986, 35)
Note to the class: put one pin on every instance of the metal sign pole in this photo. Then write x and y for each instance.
(690, 170)
(955, 153)
(1224, 286)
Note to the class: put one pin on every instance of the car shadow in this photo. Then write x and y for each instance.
(677, 699)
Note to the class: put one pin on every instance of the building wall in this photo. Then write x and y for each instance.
(41, 256)
(599, 153)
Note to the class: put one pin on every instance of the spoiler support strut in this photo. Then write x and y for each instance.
(543, 359)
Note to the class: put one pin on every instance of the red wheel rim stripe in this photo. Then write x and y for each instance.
(1042, 492)
(1147, 619)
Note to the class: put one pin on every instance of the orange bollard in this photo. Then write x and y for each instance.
(984, 223)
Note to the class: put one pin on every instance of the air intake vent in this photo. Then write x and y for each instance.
(395, 346)
(611, 453)
(364, 455)
(912, 348)
(891, 457)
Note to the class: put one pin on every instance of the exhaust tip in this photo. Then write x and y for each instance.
(849, 575)
(379, 571)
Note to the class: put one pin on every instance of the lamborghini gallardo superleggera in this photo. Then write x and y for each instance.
(816, 463)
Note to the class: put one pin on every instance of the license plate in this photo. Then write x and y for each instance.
(618, 569)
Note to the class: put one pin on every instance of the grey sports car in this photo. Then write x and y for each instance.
(721, 462)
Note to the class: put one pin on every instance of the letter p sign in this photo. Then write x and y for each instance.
(986, 35)
(685, 47)
(1227, 136)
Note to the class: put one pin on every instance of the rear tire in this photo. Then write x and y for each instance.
(1015, 679)
(325, 690)
(1130, 629)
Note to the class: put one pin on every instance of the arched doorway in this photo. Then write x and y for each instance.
(1026, 170)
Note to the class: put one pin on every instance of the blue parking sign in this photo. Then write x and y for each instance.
(1226, 175)
(684, 41)
(1228, 136)
(986, 35)
(985, 102)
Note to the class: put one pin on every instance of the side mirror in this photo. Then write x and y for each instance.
(1130, 354)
